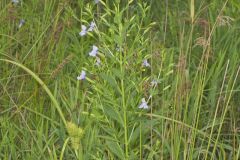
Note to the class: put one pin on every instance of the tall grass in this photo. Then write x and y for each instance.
(190, 85)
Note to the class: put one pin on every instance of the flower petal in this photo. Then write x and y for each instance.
(94, 51)
(83, 31)
(143, 105)
(145, 63)
(92, 26)
(82, 76)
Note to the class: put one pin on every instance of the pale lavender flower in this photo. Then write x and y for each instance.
(98, 61)
(92, 26)
(15, 2)
(143, 104)
(83, 31)
(82, 76)
(145, 63)
(154, 83)
(94, 51)
(21, 23)
(96, 1)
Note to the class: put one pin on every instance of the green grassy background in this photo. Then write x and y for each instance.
(193, 48)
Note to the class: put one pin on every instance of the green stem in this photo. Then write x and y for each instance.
(124, 107)
(125, 120)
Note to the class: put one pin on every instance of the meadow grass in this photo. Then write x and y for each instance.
(162, 81)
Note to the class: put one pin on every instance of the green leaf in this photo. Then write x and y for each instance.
(117, 73)
(115, 148)
(111, 81)
(113, 114)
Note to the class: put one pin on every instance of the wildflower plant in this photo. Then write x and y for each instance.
(112, 34)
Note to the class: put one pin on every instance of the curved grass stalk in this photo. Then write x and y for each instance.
(64, 147)
(44, 86)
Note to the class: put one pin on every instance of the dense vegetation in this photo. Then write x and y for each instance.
(111, 79)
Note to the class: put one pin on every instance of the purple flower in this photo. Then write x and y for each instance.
(21, 23)
(82, 76)
(143, 104)
(94, 51)
(84, 31)
(145, 63)
(92, 26)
